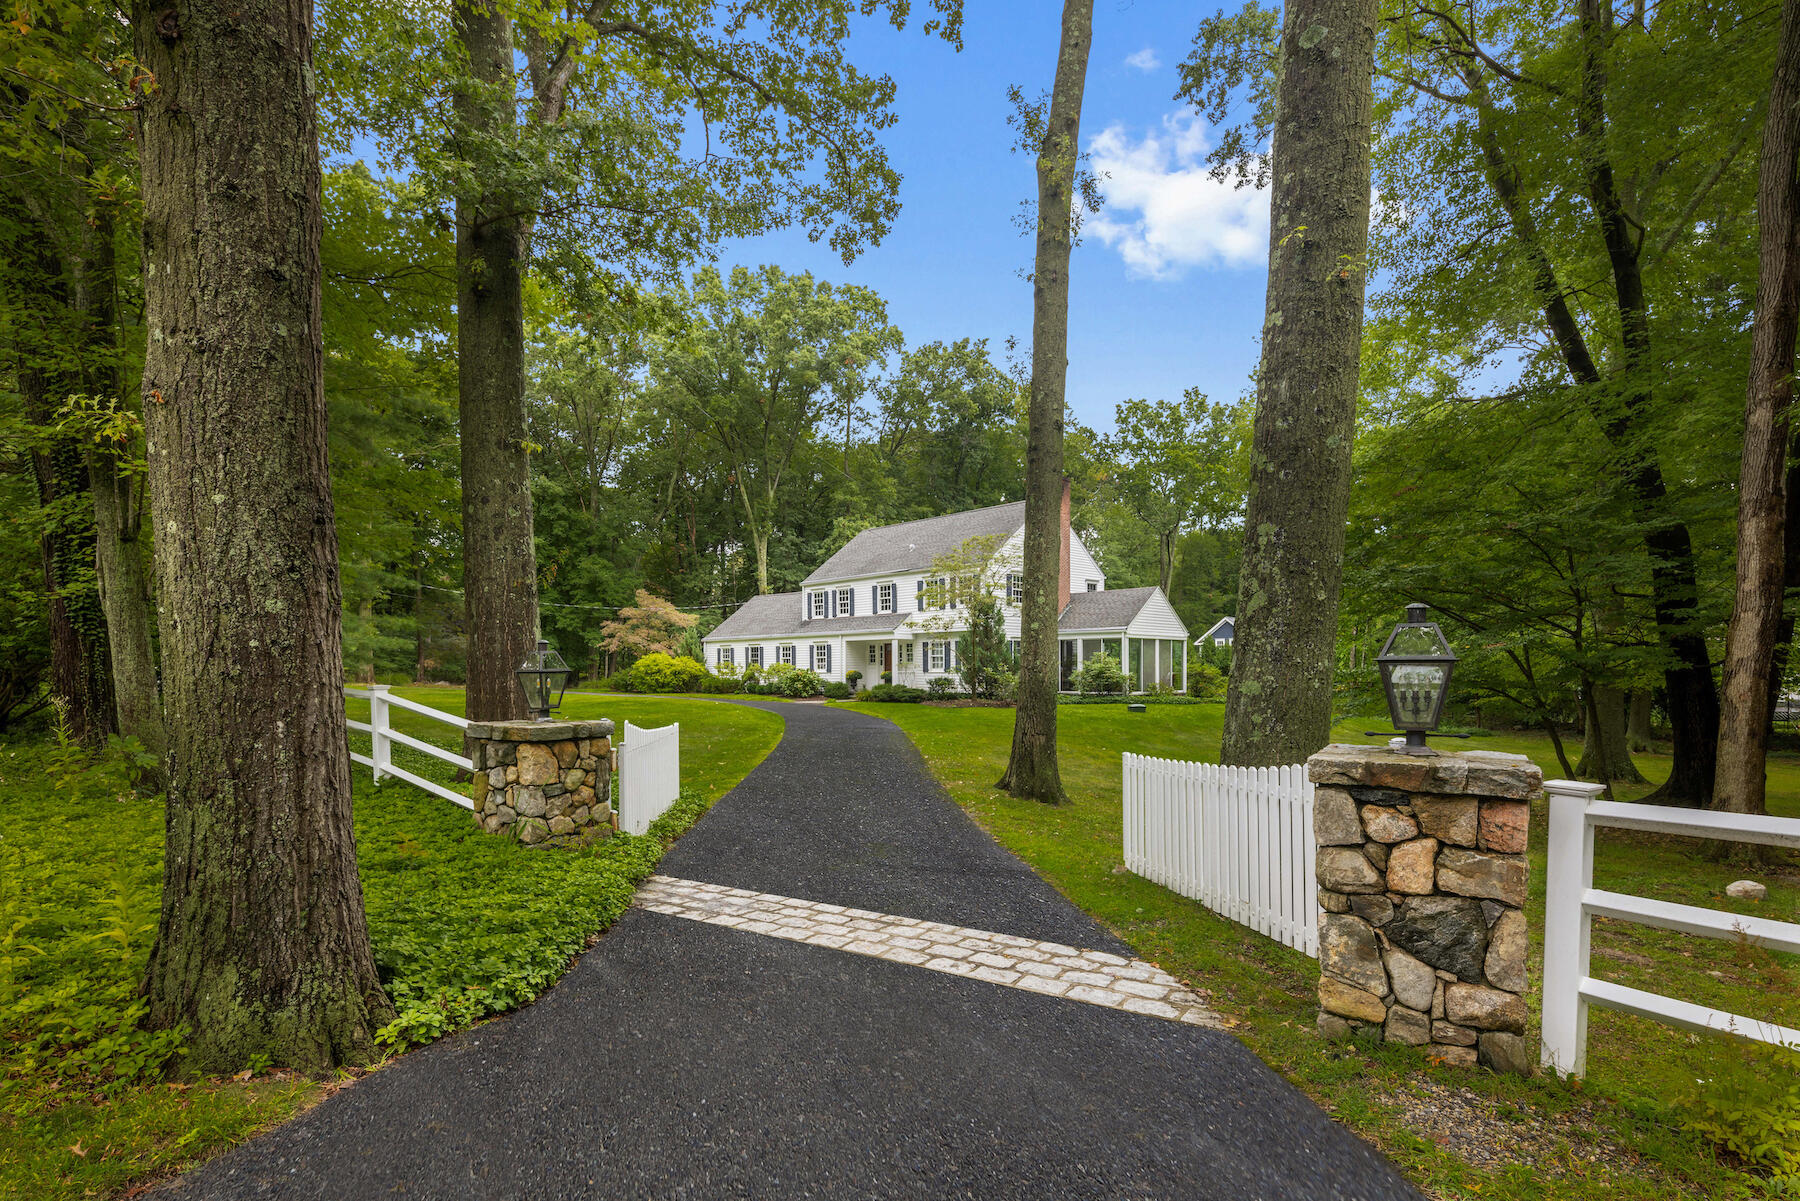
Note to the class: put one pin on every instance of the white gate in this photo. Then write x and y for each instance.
(649, 775)
(1237, 839)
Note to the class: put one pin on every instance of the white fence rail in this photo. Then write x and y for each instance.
(649, 775)
(1237, 839)
(1572, 902)
(383, 736)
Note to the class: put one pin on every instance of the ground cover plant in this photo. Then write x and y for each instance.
(1662, 1114)
(464, 926)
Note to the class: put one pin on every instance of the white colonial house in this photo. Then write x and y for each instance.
(876, 606)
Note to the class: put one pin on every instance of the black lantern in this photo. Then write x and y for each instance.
(542, 678)
(1415, 672)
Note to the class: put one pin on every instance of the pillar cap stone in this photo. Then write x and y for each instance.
(540, 731)
(1480, 773)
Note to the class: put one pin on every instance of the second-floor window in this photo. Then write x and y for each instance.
(818, 604)
(1093, 585)
(1015, 587)
(846, 602)
(884, 598)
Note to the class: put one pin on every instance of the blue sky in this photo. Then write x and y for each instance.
(1168, 282)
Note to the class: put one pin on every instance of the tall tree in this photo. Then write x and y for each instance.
(1278, 705)
(1032, 770)
(570, 150)
(262, 947)
(1175, 466)
(1763, 479)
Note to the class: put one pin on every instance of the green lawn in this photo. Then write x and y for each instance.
(464, 925)
(1617, 1136)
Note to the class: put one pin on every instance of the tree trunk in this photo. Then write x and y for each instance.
(118, 511)
(1689, 698)
(1032, 769)
(1278, 705)
(80, 662)
(1756, 614)
(262, 948)
(1638, 730)
(499, 558)
(1606, 755)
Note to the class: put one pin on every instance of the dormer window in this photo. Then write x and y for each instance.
(818, 604)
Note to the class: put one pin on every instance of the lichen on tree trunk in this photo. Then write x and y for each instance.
(1278, 703)
(1031, 770)
(262, 947)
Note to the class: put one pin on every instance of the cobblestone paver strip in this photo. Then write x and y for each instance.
(1094, 977)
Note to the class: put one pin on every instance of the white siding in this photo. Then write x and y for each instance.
(1082, 567)
(1158, 619)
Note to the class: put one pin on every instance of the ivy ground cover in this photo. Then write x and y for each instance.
(464, 925)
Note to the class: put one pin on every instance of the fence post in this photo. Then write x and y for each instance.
(380, 749)
(1569, 873)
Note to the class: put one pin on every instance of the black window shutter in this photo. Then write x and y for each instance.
(921, 599)
(828, 659)
(874, 598)
(852, 602)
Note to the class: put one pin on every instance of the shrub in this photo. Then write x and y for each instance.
(982, 656)
(942, 688)
(837, 691)
(664, 673)
(1750, 1104)
(1205, 682)
(801, 681)
(782, 679)
(887, 677)
(897, 693)
(719, 684)
(1100, 674)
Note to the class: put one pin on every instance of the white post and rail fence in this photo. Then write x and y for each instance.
(1237, 839)
(1572, 902)
(649, 759)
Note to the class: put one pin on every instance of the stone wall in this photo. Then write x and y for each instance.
(1422, 883)
(544, 782)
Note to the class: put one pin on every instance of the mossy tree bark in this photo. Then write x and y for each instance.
(1278, 704)
(262, 947)
(1032, 769)
(1756, 616)
(499, 557)
(1606, 754)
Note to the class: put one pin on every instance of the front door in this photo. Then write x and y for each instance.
(887, 656)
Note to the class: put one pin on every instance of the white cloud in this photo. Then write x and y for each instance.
(1144, 60)
(1163, 212)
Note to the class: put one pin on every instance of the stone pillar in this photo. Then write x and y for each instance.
(1422, 884)
(544, 781)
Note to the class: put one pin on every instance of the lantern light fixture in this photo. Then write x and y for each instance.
(542, 678)
(1416, 662)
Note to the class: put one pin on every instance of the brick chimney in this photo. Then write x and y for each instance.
(1062, 587)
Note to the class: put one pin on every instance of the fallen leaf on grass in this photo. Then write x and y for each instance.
(77, 1149)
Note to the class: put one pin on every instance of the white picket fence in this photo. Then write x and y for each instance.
(649, 775)
(383, 737)
(1237, 839)
(1571, 902)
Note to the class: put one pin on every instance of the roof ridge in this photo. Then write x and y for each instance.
(894, 525)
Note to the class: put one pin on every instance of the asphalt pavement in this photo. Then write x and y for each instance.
(679, 1059)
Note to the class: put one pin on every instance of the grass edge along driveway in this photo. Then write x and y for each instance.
(1454, 1132)
(464, 925)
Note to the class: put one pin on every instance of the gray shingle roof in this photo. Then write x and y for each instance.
(912, 545)
(778, 616)
(1110, 610)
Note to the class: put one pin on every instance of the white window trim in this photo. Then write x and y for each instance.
(846, 601)
(753, 655)
(1015, 587)
(818, 655)
(728, 654)
(936, 651)
(884, 598)
(787, 653)
(818, 609)
(874, 653)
